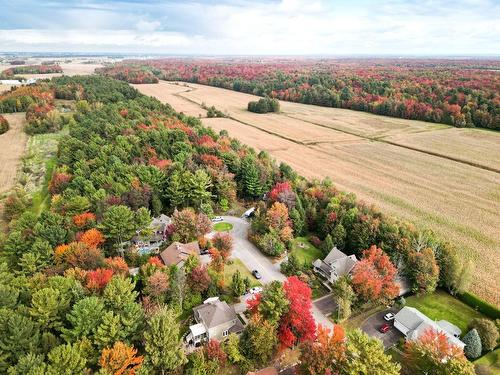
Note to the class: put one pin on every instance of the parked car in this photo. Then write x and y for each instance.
(389, 317)
(217, 219)
(255, 290)
(384, 328)
(204, 252)
(256, 274)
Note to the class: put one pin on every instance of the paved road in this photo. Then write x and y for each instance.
(253, 259)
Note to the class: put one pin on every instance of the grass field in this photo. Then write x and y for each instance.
(236, 264)
(407, 168)
(491, 361)
(306, 253)
(223, 227)
(440, 305)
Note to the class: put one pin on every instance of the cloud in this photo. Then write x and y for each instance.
(255, 27)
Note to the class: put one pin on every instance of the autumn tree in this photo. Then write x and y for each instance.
(326, 354)
(432, 353)
(365, 355)
(188, 225)
(92, 238)
(258, 341)
(120, 359)
(97, 279)
(344, 296)
(162, 345)
(214, 352)
(83, 256)
(157, 286)
(488, 332)
(373, 278)
(198, 279)
(117, 265)
(297, 324)
(273, 302)
(224, 243)
(237, 284)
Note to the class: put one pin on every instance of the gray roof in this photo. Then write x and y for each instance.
(417, 323)
(336, 263)
(215, 312)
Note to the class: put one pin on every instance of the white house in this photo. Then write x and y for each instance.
(412, 324)
(335, 265)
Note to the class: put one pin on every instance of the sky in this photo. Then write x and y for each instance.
(253, 27)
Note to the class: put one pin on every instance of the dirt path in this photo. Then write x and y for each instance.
(410, 169)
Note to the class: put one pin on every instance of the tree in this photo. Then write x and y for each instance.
(199, 364)
(424, 270)
(48, 308)
(488, 332)
(473, 347)
(271, 244)
(231, 348)
(215, 353)
(326, 354)
(162, 346)
(121, 359)
(224, 243)
(81, 255)
(291, 266)
(454, 272)
(273, 302)
(157, 285)
(84, 317)
(327, 244)
(117, 265)
(98, 278)
(277, 216)
(66, 359)
(118, 224)
(92, 238)
(184, 222)
(297, 324)
(250, 177)
(198, 279)
(365, 355)
(433, 354)
(20, 336)
(373, 277)
(344, 295)
(258, 341)
(237, 284)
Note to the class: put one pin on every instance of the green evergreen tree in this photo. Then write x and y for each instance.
(237, 284)
(250, 176)
(85, 316)
(48, 308)
(118, 224)
(473, 347)
(66, 360)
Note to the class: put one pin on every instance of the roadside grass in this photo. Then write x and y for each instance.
(223, 227)
(491, 361)
(307, 253)
(230, 269)
(440, 305)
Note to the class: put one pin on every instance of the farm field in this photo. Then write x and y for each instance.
(458, 200)
(12, 146)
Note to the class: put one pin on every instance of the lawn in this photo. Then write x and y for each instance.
(491, 360)
(440, 305)
(223, 227)
(235, 265)
(305, 251)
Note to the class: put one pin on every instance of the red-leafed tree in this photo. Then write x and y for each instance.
(157, 285)
(432, 353)
(99, 278)
(297, 325)
(199, 279)
(58, 182)
(214, 352)
(373, 278)
(224, 243)
(326, 354)
(283, 192)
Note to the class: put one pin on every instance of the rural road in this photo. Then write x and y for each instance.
(253, 259)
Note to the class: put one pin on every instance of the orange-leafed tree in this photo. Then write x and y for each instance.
(326, 354)
(92, 237)
(224, 243)
(373, 278)
(121, 359)
(99, 278)
(432, 353)
(59, 252)
(83, 220)
(81, 255)
(217, 263)
(117, 264)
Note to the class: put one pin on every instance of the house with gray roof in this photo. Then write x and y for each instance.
(412, 324)
(215, 319)
(335, 265)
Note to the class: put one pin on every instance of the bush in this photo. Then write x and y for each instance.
(488, 332)
(264, 105)
(480, 305)
(473, 347)
(4, 125)
(270, 244)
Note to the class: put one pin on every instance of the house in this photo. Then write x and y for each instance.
(265, 371)
(215, 319)
(177, 253)
(412, 324)
(150, 239)
(335, 265)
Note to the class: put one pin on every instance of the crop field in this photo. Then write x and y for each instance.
(69, 69)
(12, 146)
(433, 175)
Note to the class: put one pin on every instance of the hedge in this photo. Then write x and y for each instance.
(480, 305)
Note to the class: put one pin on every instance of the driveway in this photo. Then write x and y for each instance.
(253, 259)
(371, 327)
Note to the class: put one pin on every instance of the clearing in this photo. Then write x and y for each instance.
(438, 177)
(305, 252)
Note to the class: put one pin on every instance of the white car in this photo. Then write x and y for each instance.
(255, 290)
(217, 218)
(388, 317)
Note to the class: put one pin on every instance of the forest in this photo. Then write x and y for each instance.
(32, 69)
(69, 305)
(130, 74)
(461, 93)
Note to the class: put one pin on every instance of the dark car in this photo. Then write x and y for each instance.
(384, 328)
(256, 274)
(204, 252)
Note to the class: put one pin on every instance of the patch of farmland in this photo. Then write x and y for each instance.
(12, 146)
(458, 201)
